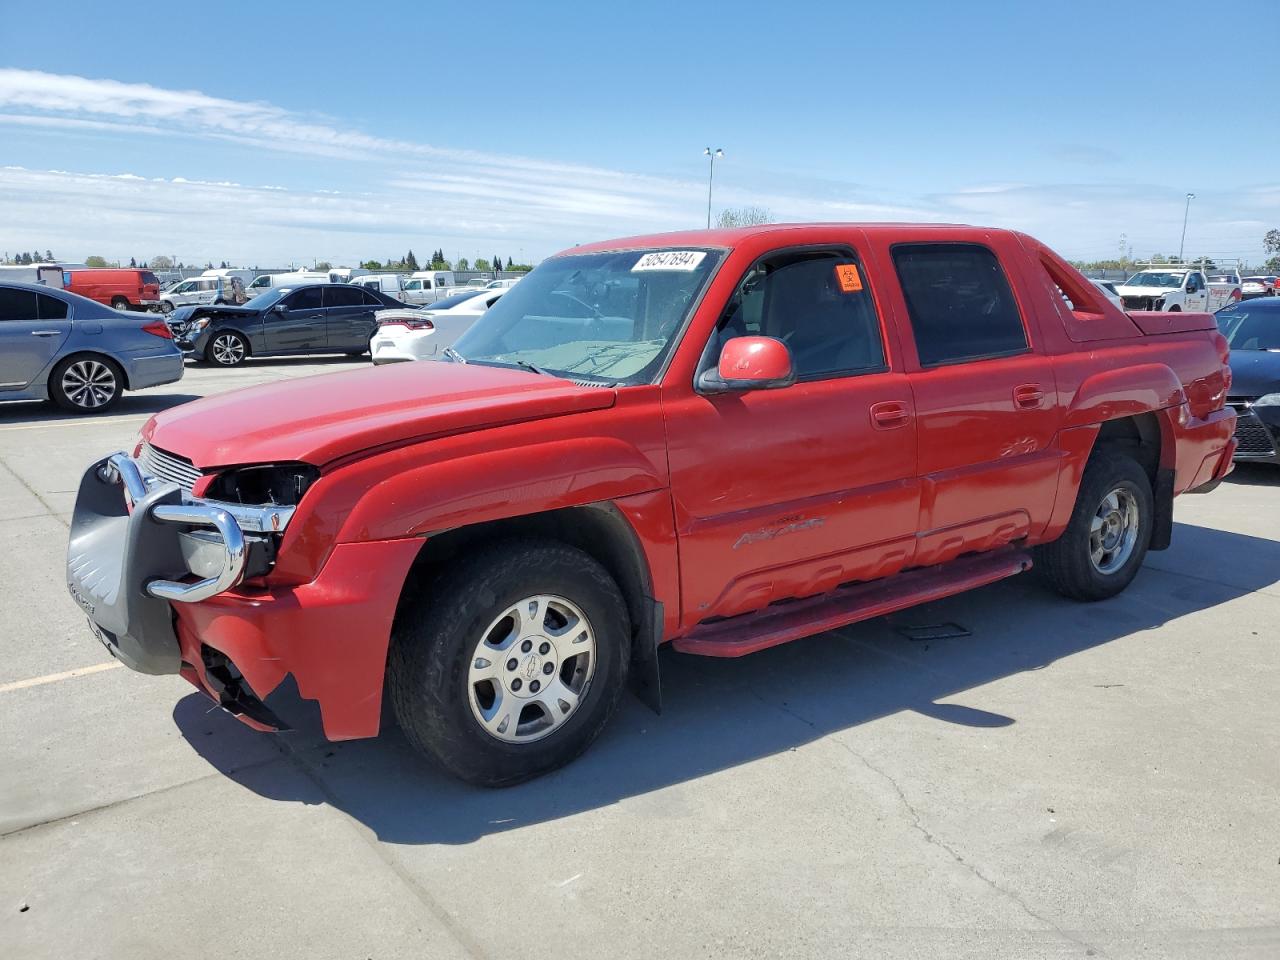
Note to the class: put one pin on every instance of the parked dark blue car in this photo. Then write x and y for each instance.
(315, 318)
(1253, 330)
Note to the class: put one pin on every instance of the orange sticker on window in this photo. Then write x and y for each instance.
(849, 278)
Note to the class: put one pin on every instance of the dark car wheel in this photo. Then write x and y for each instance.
(119, 303)
(227, 349)
(86, 384)
(510, 665)
(1106, 539)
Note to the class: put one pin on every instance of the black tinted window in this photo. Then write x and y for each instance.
(371, 299)
(308, 298)
(960, 303)
(17, 304)
(817, 303)
(51, 308)
(342, 295)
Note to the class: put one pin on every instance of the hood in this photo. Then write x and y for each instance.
(319, 419)
(189, 312)
(1254, 373)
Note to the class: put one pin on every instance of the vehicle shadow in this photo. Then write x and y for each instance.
(131, 404)
(722, 713)
(1255, 475)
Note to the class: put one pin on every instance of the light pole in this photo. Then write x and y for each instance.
(714, 155)
(1185, 213)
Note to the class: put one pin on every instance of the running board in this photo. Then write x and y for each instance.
(738, 636)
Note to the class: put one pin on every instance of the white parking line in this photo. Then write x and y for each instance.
(55, 677)
(45, 424)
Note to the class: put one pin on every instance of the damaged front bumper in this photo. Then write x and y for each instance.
(161, 576)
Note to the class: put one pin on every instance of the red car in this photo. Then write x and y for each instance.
(720, 440)
(124, 289)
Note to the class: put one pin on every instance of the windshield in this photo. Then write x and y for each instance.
(444, 303)
(264, 300)
(1250, 329)
(1155, 278)
(609, 316)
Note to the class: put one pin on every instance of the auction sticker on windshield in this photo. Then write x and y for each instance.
(686, 260)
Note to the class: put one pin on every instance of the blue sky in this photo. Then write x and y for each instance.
(267, 133)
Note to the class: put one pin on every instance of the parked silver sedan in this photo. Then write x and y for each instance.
(63, 347)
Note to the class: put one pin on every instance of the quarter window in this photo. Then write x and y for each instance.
(818, 304)
(959, 301)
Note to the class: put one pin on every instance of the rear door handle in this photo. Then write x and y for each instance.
(46, 333)
(1028, 396)
(889, 415)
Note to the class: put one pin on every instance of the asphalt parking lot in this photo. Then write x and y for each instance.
(1062, 781)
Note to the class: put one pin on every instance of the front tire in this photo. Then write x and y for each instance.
(86, 384)
(1106, 540)
(511, 663)
(226, 349)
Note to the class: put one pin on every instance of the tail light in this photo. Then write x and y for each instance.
(423, 324)
(158, 328)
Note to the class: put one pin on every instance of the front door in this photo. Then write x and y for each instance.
(33, 327)
(348, 316)
(794, 491)
(984, 397)
(300, 325)
(1197, 293)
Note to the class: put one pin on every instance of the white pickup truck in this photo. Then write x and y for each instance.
(1175, 287)
(428, 286)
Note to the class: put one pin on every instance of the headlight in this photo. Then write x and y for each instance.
(276, 484)
(200, 324)
(1270, 400)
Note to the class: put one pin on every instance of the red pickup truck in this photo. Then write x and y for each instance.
(721, 440)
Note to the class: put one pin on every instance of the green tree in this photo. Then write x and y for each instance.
(371, 265)
(24, 259)
(323, 265)
(463, 264)
(97, 263)
(1271, 241)
(481, 264)
(48, 254)
(161, 263)
(743, 217)
(410, 261)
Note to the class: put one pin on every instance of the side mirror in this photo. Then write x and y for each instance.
(750, 363)
(279, 308)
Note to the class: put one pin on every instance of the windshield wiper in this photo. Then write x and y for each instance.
(454, 355)
(532, 368)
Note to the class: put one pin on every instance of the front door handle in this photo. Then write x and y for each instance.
(46, 333)
(1028, 396)
(890, 414)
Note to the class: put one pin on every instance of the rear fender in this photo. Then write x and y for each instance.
(1126, 392)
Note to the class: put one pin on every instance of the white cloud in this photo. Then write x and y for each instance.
(384, 195)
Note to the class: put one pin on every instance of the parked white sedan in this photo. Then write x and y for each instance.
(411, 334)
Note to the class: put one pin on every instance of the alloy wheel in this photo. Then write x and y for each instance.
(531, 668)
(1113, 532)
(89, 384)
(228, 349)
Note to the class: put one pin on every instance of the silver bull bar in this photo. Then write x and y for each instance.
(120, 468)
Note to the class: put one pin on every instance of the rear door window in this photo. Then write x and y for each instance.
(51, 308)
(959, 302)
(341, 295)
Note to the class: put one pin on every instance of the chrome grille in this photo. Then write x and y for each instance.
(167, 466)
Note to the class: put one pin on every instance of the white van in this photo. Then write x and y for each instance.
(244, 276)
(48, 274)
(269, 280)
(428, 286)
(203, 290)
(388, 283)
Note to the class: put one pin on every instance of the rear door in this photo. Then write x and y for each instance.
(33, 328)
(348, 316)
(300, 326)
(984, 397)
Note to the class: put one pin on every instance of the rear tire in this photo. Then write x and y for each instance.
(86, 384)
(119, 303)
(1106, 539)
(511, 663)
